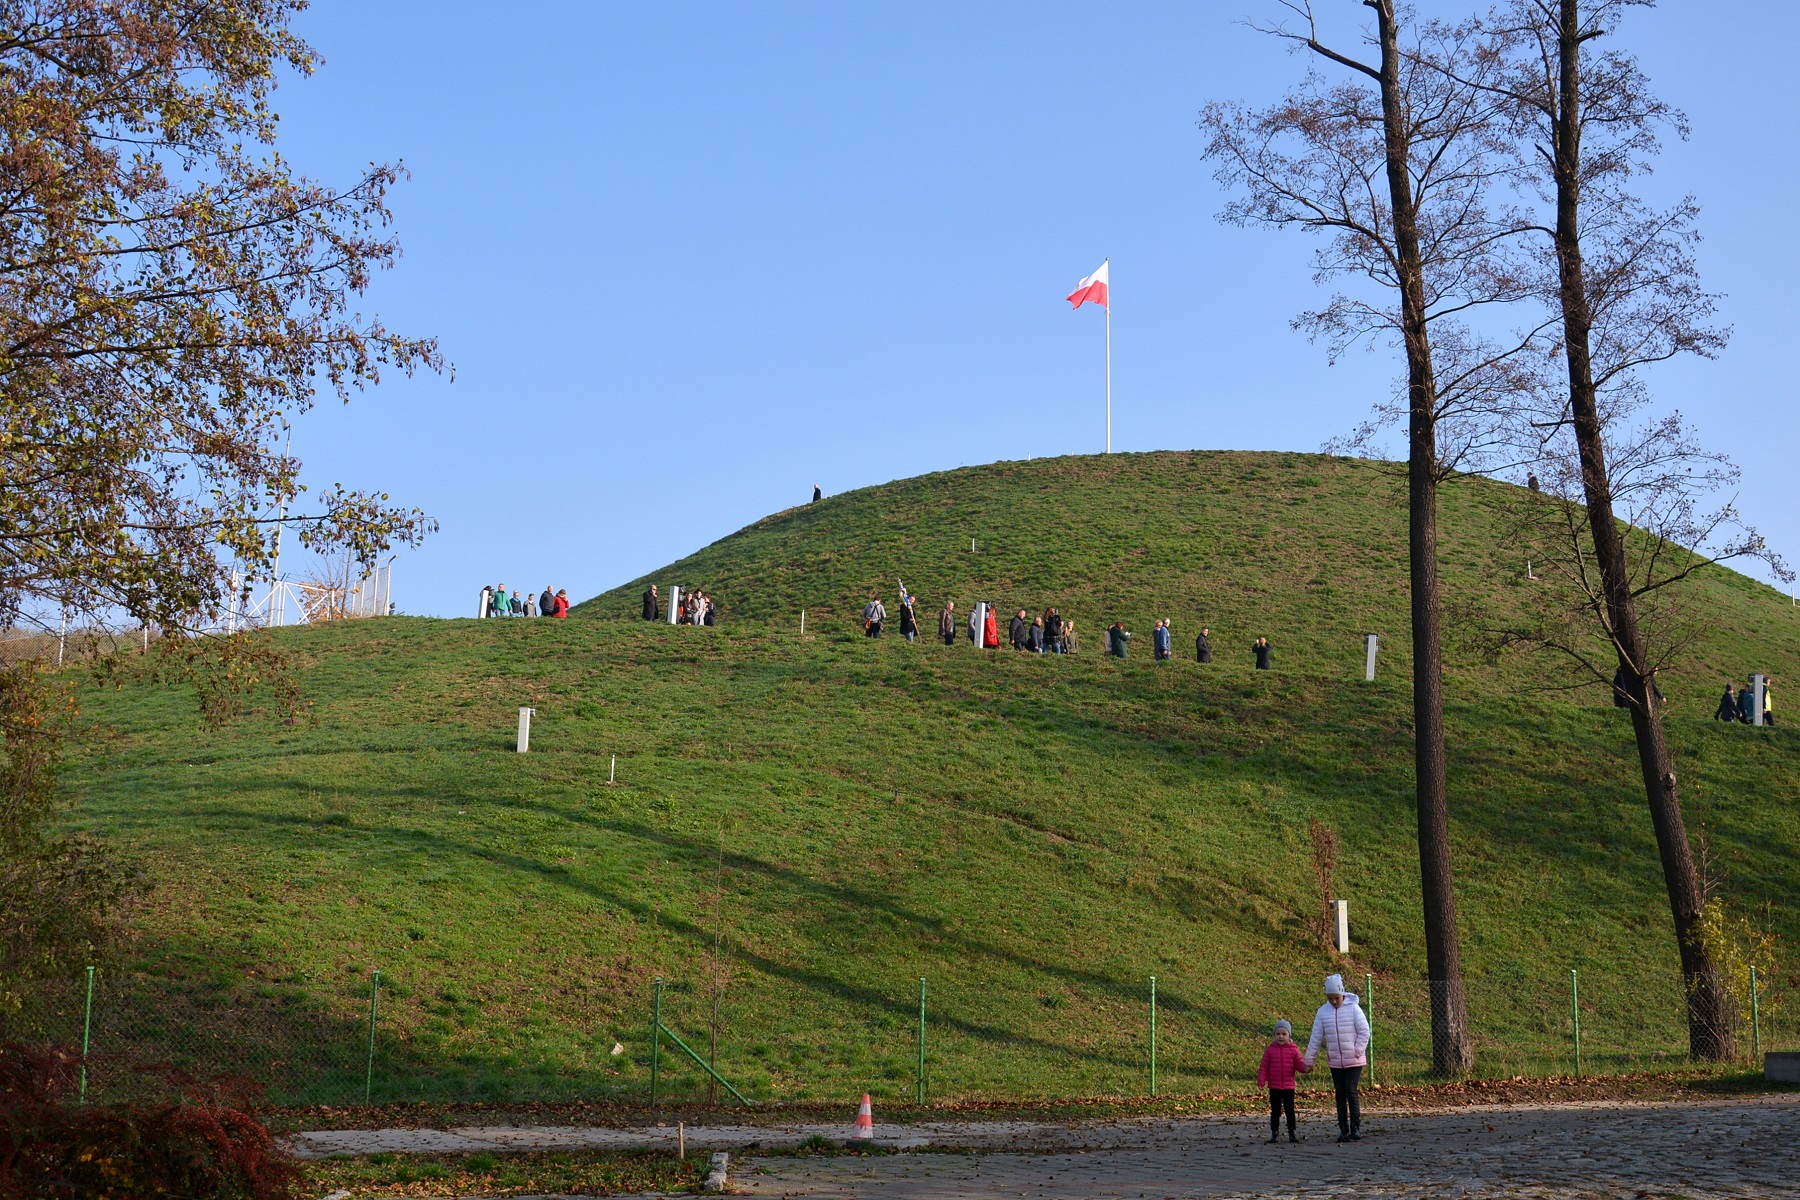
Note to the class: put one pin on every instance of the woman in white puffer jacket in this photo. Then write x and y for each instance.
(1342, 1028)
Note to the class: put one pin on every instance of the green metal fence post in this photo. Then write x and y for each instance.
(655, 1037)
(374, 1005)
(1755, 1021)
(1369, 1012)
(87, 1028)
(921, 1040)
(1153, 1035)
(1575, 1016)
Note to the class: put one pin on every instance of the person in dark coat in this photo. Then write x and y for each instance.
(651, 607)
(1747, 704)
(1203, 646)
(817, 494)
(909, 621)
(947, 623)
(1034, 637)
(1262, 650)
(712, 612)
(1728, 706)
(1015, 631)
(1163, 639)
(1116, 638)
(1053, 631)
(1621, 696)
(547, 602)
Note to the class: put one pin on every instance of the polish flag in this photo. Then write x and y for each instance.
(1092, 288)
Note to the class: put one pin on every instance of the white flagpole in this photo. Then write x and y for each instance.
(1109, 360)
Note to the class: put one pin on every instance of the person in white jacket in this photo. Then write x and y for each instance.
(1342, 1028)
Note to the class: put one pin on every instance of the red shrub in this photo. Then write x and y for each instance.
(192, 1138)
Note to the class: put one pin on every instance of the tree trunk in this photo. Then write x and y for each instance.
(1709, 1031)
(1453, 1051)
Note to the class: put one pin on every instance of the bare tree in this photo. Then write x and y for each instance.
(1619, 278)
(1396, 169)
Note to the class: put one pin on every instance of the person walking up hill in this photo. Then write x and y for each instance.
(874, 613)
(1728, 708)
(947, 623)
(1203, 646)
(1261, 648)
(1116, 638)
(909, 621)
(1016, 630)
(990, 629)
(1342, 1029)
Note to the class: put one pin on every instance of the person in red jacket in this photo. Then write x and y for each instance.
(1280, 1063)
(990, 632)
(561, 607)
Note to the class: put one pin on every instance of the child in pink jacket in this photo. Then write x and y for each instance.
(1280, 1063)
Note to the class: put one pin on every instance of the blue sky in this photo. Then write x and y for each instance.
(689, 260)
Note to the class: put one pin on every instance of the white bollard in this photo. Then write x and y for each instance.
(803, 622)
(1371, 643)
(675, 604)
(1758, 685)
(612, 772)
(525, 715)
(1341, 910)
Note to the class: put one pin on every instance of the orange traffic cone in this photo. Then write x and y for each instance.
(865, 1121)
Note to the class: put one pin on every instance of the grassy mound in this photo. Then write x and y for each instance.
(807, 826)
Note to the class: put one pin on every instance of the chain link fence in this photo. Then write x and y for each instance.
(370, 1040)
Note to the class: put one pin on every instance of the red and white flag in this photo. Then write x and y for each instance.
(1092, 288)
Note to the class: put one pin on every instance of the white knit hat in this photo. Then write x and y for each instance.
(1334, 985)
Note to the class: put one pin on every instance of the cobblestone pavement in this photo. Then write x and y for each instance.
(1700, 1152)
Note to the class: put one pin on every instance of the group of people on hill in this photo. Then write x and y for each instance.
(498, 602)
(1046, 633)
(1341, 1029)
(692, 606)
(1741, 705)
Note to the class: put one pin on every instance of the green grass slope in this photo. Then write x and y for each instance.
(807, 826)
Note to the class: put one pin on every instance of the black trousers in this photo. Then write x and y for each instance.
(1345, 1081)
(1281, 1100)
(950, 639)
(874, 629)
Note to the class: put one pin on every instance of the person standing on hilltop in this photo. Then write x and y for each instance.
(874, 613)
(561, 608)
(1261, 648)
(547, 603)
(947, 623)
(651, 607)
(817, 494)
(1116, 638)
(1203, 646)
(1016, 630)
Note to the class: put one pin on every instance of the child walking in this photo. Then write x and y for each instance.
(1280, 1062)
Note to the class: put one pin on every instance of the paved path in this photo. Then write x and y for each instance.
(1745, 1150)
(1701, 1152)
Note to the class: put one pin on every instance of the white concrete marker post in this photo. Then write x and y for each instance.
(803, 622)
(1759, 684)
(1371, 643)
(1342, 913)
(674, 604)
(612, 772)
(525, 715)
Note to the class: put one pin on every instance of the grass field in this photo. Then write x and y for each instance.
(809, 826)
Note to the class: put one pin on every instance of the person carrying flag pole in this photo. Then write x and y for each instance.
(1097, 288)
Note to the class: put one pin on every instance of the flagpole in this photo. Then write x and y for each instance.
(1109, 362)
